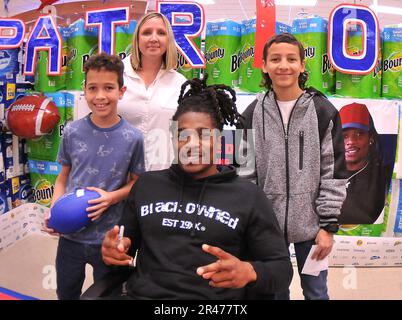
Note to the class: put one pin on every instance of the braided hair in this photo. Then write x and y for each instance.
(213, 100)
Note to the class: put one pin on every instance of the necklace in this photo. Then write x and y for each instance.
(356, 173)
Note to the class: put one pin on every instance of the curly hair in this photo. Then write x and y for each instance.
(107, 62)
(218, 101)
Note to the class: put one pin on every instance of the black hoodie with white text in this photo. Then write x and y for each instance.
(169, 216)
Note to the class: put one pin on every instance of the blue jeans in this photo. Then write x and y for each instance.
(70, 267)
(314, 288)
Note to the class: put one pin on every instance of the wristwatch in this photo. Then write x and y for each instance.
(331, 227)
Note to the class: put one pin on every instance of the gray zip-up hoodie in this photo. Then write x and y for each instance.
(302, 172)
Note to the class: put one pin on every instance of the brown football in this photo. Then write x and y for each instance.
(32, 116)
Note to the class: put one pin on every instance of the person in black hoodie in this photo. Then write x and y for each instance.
(199, 230)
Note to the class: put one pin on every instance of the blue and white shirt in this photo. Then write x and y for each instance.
(102, 158)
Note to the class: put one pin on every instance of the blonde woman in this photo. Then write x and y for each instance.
(153, 87)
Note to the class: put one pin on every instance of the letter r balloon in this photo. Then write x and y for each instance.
(339, 19)
(187, 21)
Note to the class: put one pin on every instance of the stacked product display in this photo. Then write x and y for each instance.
(229, 55)
(28, 167)
(228, 49)
(14, 171)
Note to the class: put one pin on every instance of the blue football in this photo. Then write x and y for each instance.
(69, 215)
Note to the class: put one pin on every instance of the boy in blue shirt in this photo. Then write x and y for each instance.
(104, 153)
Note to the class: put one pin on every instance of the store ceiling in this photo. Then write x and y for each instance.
(234, 9)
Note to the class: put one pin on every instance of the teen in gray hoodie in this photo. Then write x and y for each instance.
(299, 156)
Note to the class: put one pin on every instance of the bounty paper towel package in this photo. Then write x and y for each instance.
(222, 44)
(69, 108)
(282, 28)
(392, 63)
(43, 176)
(44, 82)
(82, 43)
(312, 33)
(249, 77)
(76, 102)
(46, 147)
(359, 86)
(124, 39)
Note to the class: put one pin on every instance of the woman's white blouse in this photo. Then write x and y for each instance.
(151, 110)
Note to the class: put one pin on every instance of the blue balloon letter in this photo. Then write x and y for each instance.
(343, 61)
(44, 36)
(187, 20)
(13, 35)
(107, 20)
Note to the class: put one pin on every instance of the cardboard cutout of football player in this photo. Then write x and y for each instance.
(369, 178)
